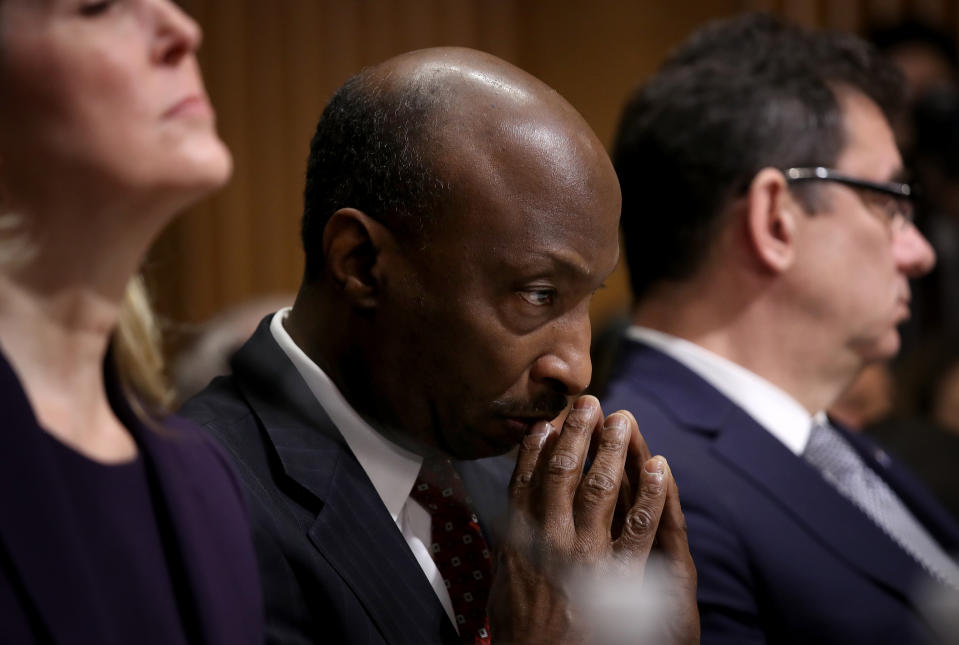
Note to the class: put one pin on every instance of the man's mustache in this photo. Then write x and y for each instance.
(547, 406)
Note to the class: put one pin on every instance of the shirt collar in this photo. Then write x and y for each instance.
(771, 407)
(391, 469)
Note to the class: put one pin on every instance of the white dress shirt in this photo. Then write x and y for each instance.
(391, 468)
(772, 408)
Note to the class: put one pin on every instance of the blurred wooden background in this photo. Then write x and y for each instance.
(271, 66)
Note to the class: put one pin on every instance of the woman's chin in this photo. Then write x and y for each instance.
(211, 165)
(202, 170)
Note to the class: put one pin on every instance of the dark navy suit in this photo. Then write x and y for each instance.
(334, 565)
(47, 587)
(782, 557)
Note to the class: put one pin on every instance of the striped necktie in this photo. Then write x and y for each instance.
(845, 470)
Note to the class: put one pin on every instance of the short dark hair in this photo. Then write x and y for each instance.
(739, 95)
(371, 151)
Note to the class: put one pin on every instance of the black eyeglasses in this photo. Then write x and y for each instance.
(894, 198)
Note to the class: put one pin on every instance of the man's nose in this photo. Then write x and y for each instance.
(566, 365)
(913, 253)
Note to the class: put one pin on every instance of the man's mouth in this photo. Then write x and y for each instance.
(520, 417)
(519, 426)
(529, 421)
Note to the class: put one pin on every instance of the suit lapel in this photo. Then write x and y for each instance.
(360, 540)
(353, 530)
(788, 480)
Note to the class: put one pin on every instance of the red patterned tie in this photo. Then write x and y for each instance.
(458, 547)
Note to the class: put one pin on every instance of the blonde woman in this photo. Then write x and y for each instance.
(117, 524)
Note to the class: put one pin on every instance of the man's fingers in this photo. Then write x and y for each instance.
(673, 545)
(642, 520)
(637, 455)
(595, 500)
(521, 483)
(671, 536)
(561, 465)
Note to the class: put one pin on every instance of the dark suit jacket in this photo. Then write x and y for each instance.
(782, 557)
(45, 582)
(334, 565)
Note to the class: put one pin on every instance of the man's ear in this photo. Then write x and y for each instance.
(353, 243)
(772, 220)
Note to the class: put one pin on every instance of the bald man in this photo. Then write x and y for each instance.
(458, 217)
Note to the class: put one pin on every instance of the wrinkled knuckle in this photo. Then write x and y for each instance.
(598, 484)
(562, 464)
(639, 521)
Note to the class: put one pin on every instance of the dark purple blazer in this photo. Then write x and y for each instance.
(782, 557)
(45, 583)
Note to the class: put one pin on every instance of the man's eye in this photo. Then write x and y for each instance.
(538, 297)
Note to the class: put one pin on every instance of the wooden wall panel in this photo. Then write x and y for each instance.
(885, 10)
(594, 52)
(803, 12)
(271, 66)
(844, 16)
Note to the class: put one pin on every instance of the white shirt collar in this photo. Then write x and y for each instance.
(772, 408)
(391, 469)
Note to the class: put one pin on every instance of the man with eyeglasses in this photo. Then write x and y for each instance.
(769, 238)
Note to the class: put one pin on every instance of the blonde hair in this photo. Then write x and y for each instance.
(138, 353)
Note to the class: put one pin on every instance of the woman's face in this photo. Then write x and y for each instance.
(102, 100)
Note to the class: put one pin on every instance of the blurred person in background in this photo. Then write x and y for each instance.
(924, 430)
(941, 401)
(207, 354)
(927, 58)
(768, 236)
(119, 524)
